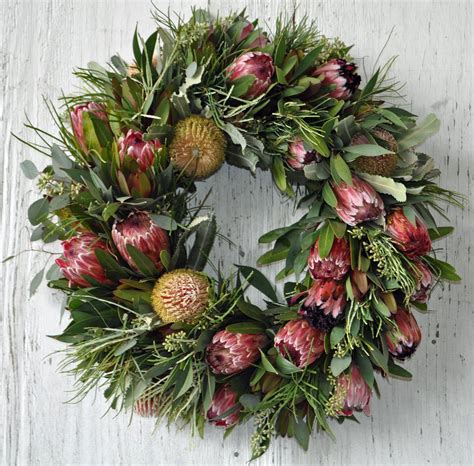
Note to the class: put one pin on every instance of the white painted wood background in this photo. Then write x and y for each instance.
(426, 421)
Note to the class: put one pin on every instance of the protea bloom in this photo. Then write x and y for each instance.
(357, 203)
(257, 64)
(229, 353)
(77, 122)
(354, 392)
(139, 231)
(79, 260)
(383, 165)
(413, 240)
(341, 75)
(325, 303)
(335, 265)
(181, 295)
(133, 145)
(300, 342)
(403, 339)
(224, 400)
(424, 283)
(259, 42)
(146, 407)
(298, 156)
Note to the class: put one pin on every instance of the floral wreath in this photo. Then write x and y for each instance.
(165, 339)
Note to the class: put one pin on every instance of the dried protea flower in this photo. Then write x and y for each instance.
(335, 265)
(224, 400)
(181, 295)
(354, 393)
(300, 342)
(424, 283)
(256, 64)
(325, 303)
(139, 230)
(146, 407)
(133, 145)
(259, 42)
(383, 165)
(77, 123)
(198, 147)
(413, 240)
(357, 203)
(79, 260)
(341, 75)
(404, 337)
(229, 353)
(299, 156)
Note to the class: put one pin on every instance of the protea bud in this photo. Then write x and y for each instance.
(335, 265)
(259, 42)
(77, 120)
(359, 282)
(79, 260)
(424, 283)
(357, 203)
(325, 303)
(300, 342)
(354, 393)
(198, 147)
(340, 75)
(298, 156)
(139, 230)
(181, 295)
(229, 353)
(383, 165)
(146, 407)
(133, 145)
(413, 240)
(224, 400)
(403, 339)
(256, 64)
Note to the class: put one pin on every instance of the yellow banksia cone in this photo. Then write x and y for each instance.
(181, 295)
(198, 147)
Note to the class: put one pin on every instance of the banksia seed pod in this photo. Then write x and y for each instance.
(403, 339)
(424, 283)
(357, 203)
(181, 295)
(229, 353)
(413, 240)
(354, 391)
(146, 407)
(224, 400)
(198, 147)
(383, 165)
(341, 75)
(139, 231)
(335, 265)
(79, 260)
(300, 342)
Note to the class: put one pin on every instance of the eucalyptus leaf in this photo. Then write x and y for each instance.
(386, 185)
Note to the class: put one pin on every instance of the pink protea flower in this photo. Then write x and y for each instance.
(139, 230)
(424, 283)
(342, 75)
(79, 259)
(301, 342)
(133, 145)
(229, 353)
(77, 122)
(403, 339)
(325, 303)
(257, 64)
(413, 240)
(335, 265)
(355, 392)
(357, 203)
(146, 407)
(298, 156)
(224, 400)
(259, 42)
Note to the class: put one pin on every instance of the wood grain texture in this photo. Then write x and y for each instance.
(427, 421)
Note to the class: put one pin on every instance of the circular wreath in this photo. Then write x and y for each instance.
(161, 336)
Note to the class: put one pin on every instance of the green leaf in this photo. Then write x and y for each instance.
(184, 381)
(279, 174)
(273, 235)
(365, 367)
(111, 267)
(246, 327)
(328, 195)
(38, 211)
(326, 239)
(125, 346)
(367, 150)
(61, 161)
(301, 432)
(420, 133)
(29, 169)
(258, 281)
(395, 119)
(284, 366)
(386, 186)
(144, 264)
(339, 165)
(249, 401)
(110, 210)
(339, 228)
(205, 235)
(36, 282)
(440, 232)
(308, 61)
(379, 359)
(339, 365)
(398, 371)
(337, 334)
(279, 252)
(267, 365)
(209, 389)
(446, 271)
(165, 222)
(250, 310)
(242, 85)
